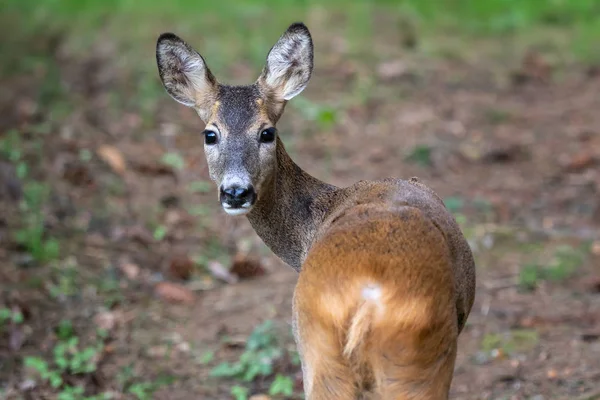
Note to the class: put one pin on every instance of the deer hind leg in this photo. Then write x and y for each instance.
(397, 380)
(326, 373)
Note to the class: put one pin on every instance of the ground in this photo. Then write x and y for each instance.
(112, 235)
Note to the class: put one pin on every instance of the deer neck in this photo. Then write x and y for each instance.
(290, 210)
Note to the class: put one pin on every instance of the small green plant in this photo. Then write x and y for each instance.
(66, 279)
(324, 116)
(563, 264)
(32, 236)
(421, 155)
(10, 316)
(200, 187)
(160, 232)
(141, 390)
(282, 385)
(454, 204)
(173, 160)
(259, 359)
(239, 392)
(69, 358)
(517, 340)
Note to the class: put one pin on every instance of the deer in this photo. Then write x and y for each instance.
(386, 277)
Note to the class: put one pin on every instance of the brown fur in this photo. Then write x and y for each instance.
(387, 279)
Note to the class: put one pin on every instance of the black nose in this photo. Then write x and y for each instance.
(237, 196)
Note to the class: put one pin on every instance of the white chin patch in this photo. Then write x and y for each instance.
(236, 211)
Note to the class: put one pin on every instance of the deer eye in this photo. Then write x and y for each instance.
(210, 137)
(268, 135)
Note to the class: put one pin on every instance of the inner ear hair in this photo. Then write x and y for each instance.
(289, 63)
(184, 74)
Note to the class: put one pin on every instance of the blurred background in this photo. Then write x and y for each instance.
(122, 278)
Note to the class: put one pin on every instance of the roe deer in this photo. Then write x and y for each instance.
(386, 280)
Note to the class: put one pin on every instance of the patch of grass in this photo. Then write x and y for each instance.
(325, 116)
(173, 160)
(511, 342)
(65, 283)
(497, 116)
(454, 203)
(9, 316)
(69, 358)
(421, 155)
(200, 187)
(33, 236)
(259, 360)
(564, 262)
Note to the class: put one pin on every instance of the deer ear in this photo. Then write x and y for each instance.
(184, 74)
(289, 64)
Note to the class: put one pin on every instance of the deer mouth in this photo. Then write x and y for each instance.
(239, 210)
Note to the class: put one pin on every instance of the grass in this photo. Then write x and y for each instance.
(72, 361)
(228, 31)
(262, 356)
(562, 265)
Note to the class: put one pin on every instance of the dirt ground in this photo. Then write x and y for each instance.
(514, 149)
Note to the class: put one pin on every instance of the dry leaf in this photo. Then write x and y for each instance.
(16, 338)
(130, 270)
(174, 293)
(390, 70)
(181, 267)
(220, 272)
(107, 320)
(580, 161)
(596, 248)
(113, 157)
(260, 397)
(245, 267)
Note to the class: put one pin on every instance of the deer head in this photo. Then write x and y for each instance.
(240, 134)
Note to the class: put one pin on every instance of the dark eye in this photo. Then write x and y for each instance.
(268, 135)
(210, 137)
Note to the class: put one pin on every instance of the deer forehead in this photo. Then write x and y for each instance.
(239, 110)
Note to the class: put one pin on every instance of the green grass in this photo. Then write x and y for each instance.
(263, 352)
(243, 30)
(563, 264)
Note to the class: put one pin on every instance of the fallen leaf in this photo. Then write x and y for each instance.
(157, 351)
(174, 293)
(580, 161)
(181, 267)
(113, 157)
(130, 270)
(390, 70)
(219, 271)
(596, 248)
(107, 320)
(16, 338)
(245, 267)
(552, 373)
(260, 397)
(153, 168)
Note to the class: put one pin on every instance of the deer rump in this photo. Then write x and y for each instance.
(375, 303)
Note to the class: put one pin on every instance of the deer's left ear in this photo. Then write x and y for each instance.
(289, 64)
(185, 75)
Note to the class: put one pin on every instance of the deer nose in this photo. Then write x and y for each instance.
(237, 196)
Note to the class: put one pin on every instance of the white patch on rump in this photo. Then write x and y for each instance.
(372, 292)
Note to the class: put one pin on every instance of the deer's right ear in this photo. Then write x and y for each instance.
(184, 74)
